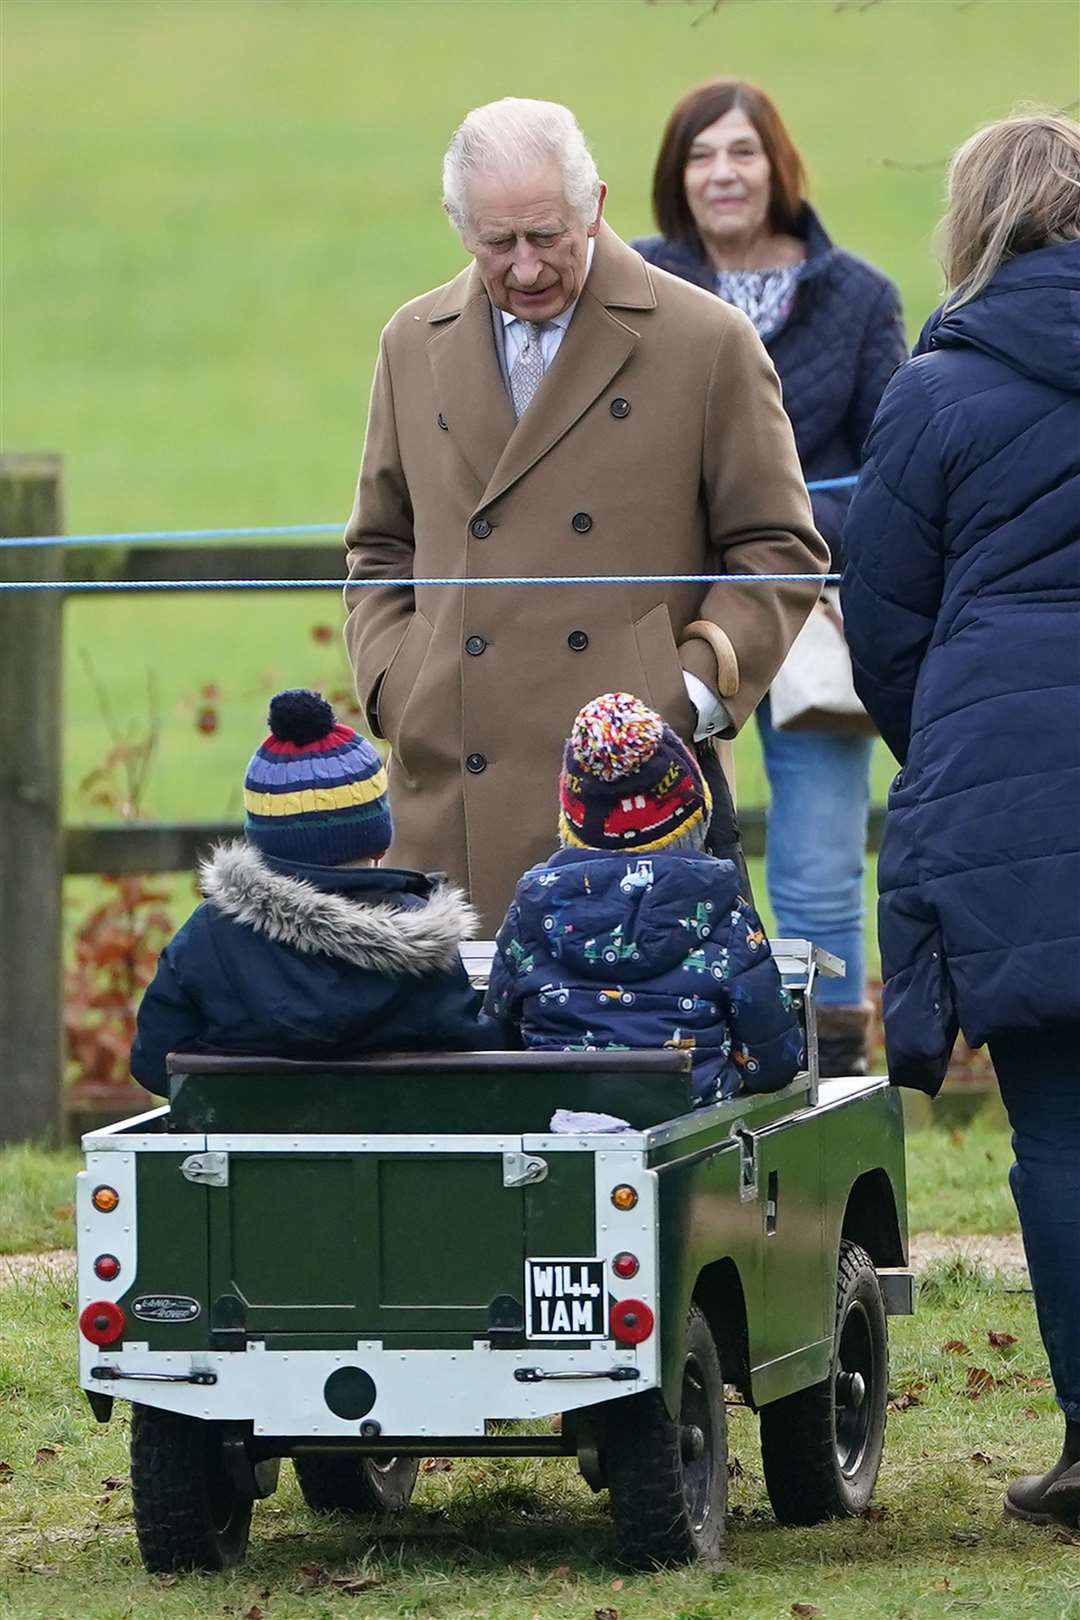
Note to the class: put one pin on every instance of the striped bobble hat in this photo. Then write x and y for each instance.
(315, 791)
(628, 782)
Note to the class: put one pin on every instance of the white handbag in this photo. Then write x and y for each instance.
(813, 689)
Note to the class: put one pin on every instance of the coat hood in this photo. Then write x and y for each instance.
(414, 928)
(622, 917)
(1028, 316)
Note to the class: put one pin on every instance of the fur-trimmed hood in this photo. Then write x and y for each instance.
(393, 934)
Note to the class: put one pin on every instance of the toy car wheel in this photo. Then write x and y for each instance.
(717, 970)
(356, 1485)
(668, 1480)
(609, 955)
(188, 1512)
(822, 1446)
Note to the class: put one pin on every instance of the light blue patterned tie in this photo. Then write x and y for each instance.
(527, 372)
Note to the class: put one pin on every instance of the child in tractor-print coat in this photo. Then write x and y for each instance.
(630, 935)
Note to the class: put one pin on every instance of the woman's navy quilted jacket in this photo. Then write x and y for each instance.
(962, 609)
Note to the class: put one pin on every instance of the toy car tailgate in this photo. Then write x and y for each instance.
(385, 1238)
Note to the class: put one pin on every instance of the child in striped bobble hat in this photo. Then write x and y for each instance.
(630, 935)
(305, 945)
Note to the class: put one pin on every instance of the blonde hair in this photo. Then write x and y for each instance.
(1012, 187)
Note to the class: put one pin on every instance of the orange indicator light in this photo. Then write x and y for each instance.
(624, 1197)
(105, 1199)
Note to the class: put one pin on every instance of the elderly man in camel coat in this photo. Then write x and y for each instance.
(559, 408)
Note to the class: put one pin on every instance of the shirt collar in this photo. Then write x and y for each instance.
(562, 320)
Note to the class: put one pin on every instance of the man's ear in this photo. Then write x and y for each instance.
(595, 226)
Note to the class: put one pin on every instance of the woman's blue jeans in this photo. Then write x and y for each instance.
(1039, 1076)
(815, 847)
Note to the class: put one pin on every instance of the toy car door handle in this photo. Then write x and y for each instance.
(523, 1169)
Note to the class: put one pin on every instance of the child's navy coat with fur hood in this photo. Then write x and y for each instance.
(310, 962)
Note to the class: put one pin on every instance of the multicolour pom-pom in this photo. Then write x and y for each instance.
(614, 735)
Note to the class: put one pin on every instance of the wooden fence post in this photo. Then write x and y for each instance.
(31, 851)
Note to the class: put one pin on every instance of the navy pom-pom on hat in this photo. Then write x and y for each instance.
(315, 791)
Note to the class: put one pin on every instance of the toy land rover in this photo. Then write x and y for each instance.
(354, 1265)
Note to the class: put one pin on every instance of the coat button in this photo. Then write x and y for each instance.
(476, 763)
(474, 645)
(577, 641)
(582, 522)
(620, 407)
(441, 420)
(479, 528)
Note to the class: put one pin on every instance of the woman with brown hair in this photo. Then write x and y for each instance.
(728, 196)
(962, 604)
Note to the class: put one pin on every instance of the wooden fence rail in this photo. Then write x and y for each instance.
(36, 851)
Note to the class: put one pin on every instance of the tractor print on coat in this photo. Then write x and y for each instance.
(623, 952)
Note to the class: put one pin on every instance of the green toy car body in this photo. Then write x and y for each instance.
(359, 1264)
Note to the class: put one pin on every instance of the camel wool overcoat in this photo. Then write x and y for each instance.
(656, 444)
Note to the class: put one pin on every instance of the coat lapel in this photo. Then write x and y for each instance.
(596, 347)
(469, 389)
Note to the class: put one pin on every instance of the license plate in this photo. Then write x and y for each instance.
(565, 1299)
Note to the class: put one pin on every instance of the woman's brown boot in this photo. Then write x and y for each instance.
(843, 1038)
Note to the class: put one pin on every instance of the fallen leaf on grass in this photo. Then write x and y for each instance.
(980, 1381)
(617, 1584)
(806, 1610)
(63, 1212)
(44, 1569)
(44, 1454)
(1000, 1341)
(981, 1457)
(956, 1347)
(168, 1580)
(942, 1586)
(605, 1614)
(966, 1538)
(311, 1576)
(875, 1512)
(254, 1613)
(561, 1572)
(322, 633)
(116, 1482)
(1067, 1538)
(353, 1585)
(437, 1465)
(6, 1472)
(901, 1402)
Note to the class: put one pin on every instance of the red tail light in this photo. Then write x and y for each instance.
(106, 1266)
(625, 1264)
(102, 1322)
(631, 1321)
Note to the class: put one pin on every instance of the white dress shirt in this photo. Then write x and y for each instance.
(713, 718)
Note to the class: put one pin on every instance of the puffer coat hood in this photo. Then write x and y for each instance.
(603, 952)
(962, 610)
(308, 962)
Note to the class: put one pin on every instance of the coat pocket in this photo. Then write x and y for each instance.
(400, 679)
(665, 686)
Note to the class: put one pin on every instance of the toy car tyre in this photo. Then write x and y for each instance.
(356, 1485)
(188, 1512)
(717, 970)
(668, 1480)
(821, 1447)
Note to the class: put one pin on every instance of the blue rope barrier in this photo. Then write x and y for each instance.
(268, 531)
(408, 582)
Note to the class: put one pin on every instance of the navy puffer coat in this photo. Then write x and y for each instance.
(604, 953)
(962, 607)
(841, 342)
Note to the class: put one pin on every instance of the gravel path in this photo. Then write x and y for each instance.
(999, 1252)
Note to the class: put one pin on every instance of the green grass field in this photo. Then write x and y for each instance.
(514, 1540)
(210, 209)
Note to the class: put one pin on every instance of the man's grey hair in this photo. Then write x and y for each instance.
(511, 137)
